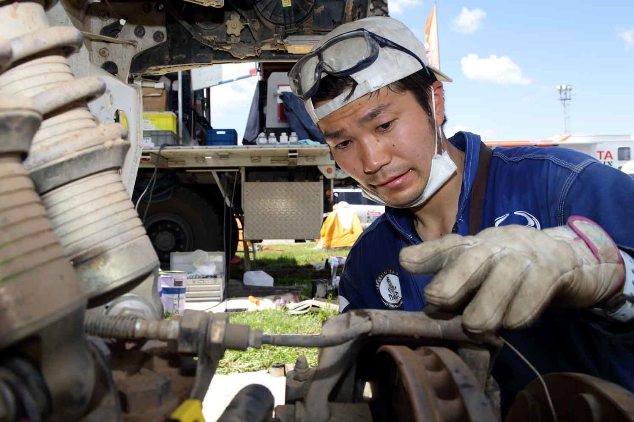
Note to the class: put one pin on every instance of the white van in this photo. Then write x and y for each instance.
(366, 209)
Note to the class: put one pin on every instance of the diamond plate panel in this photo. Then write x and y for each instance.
(282, 210)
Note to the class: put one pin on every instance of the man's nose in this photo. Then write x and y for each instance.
(374, 155)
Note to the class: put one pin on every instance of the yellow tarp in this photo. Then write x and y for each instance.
(341, 228)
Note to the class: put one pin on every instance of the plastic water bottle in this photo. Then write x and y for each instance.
(261, 139)
(283, 138)
(272, 138)
(293, 138)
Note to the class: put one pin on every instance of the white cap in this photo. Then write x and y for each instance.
(390, 66)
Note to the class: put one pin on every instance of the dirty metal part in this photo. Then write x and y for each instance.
(426, 384)
(69, 92)
(32, 259)
(21, 19)
(139, 31)
(6, 54)
(60, 39)
(52, 143)
(72, 156)
(101, 232)
(296, 384)
(339, 412)
(158, 36)
(209, 3)
(108, 40)
(131, 328)
(234, 26)
(19, 120)
(334, 377)
(299, 340)
(576, 397)
(41, 296)
(25, 392)
(64, 170)
(142, 302)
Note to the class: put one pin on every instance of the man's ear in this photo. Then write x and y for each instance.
(439, 98)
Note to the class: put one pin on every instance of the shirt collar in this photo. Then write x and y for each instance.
(467, 142)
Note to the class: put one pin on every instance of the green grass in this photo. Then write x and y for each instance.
(289, 265)
(273, 322)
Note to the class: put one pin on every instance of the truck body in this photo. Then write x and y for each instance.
(612, 150)
(189, 195)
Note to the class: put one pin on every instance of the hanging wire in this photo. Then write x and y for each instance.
(541, 379)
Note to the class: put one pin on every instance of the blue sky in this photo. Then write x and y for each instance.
(506, 59)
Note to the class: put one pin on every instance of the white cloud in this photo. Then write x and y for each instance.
(501, 70)
(628, 38)
(397, 7)
(469, 21)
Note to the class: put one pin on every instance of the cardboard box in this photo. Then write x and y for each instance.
(154, 99)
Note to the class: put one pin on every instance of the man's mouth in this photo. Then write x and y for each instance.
(392, 181)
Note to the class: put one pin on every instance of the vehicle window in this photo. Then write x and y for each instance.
(623, 153)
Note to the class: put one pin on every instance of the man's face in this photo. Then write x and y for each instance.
(385, 141)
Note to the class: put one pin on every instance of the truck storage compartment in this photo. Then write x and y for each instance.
(282, 210)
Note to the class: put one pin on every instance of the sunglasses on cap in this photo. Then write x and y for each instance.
(340, 56)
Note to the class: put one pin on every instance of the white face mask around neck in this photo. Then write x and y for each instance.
(441, 169)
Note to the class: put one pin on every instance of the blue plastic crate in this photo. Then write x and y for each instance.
(222, 137)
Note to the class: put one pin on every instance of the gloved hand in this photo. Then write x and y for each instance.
(516, 271)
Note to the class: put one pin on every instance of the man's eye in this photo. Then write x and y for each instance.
(342, 145)
(385, 126)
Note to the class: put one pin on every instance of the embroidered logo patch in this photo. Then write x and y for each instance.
(523, 218)
(389, 288)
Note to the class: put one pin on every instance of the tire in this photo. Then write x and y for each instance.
(183, 222)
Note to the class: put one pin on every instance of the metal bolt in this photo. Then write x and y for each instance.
(158, 36)
(139, 31)
(160, 6)
(103, 52)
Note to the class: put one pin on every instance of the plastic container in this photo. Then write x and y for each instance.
(283, 138)
(165, 120)
(293, 138)
(261, 139)
(257, 278)
(173, 291)
(222, 137)
(272, 138)
(156, 138)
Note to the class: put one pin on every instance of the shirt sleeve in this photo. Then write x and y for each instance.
(606, 196)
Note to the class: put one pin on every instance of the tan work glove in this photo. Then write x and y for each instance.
(516, 271)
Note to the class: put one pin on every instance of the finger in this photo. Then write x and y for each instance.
(454, 283)
(487, 309)
(537, 291)
(431, 256)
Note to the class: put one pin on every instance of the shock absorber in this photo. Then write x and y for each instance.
(42, 300)
(73, 161)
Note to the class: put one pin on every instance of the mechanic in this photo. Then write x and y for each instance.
(499, 235)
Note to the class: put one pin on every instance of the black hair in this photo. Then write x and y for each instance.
(417, 83)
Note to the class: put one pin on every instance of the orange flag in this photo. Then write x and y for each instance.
(431, 40)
